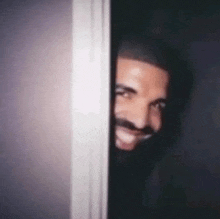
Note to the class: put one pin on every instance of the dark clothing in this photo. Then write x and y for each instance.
(153, 191)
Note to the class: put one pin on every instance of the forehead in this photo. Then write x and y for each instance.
(141, 75)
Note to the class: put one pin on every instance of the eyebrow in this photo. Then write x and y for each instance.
(160, 100)
(131, 90)
(125, 88)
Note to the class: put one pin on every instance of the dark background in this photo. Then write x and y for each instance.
(35, 98)
(193, 28)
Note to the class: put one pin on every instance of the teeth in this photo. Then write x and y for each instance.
(125, 137)
(126, 140)
(146, 137)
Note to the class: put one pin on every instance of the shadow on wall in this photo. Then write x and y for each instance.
(201, 137)
(197, 151)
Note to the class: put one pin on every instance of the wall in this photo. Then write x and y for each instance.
(35, 108)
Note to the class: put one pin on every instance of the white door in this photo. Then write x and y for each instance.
(90, 109)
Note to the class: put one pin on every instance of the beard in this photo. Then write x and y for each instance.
(135, 158)
(146, 153)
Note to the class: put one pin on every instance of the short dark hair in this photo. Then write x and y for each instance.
(161, 54)
(143, 49)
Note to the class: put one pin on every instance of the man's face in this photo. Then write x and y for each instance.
(141, 93)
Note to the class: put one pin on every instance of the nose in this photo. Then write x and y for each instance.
(137, 113)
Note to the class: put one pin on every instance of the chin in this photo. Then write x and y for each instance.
(125, 157)
(132, 156)
(126, 147)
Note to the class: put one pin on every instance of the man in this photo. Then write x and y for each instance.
(145, 82)
(141, 94)
(150, 82)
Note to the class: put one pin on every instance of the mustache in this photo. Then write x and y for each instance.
(129, 125)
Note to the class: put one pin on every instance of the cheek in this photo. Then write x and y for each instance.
(119, 106)
(116, 105)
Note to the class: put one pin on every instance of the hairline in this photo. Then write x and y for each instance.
(144, 60)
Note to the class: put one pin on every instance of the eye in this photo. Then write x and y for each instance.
(121, 92)
(159, 105)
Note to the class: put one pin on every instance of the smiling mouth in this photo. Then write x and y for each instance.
(128, 140)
